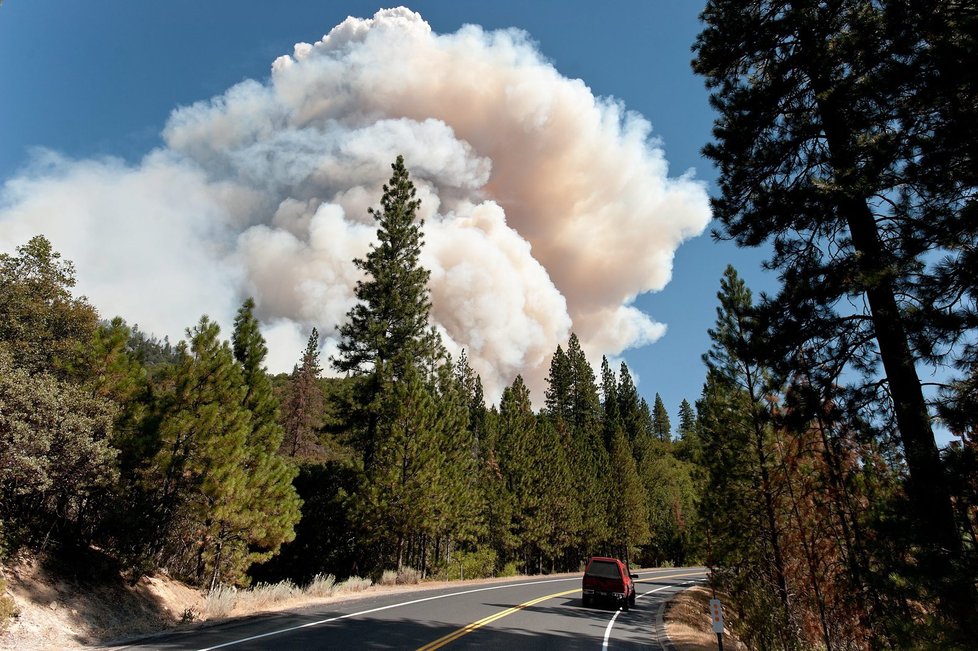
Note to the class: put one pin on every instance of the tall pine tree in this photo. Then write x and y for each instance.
(387, 331)
(831, 118)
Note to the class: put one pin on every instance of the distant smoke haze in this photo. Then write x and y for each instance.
(546, 209)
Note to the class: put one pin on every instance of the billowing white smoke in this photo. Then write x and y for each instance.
(547, 209)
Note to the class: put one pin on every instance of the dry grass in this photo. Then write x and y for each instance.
(321, 586)
(408, 576)
(8, 609)
(353, 584)
(689, 626)
(220, 601)
(267, 594)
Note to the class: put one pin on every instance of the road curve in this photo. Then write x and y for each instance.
(530, 613)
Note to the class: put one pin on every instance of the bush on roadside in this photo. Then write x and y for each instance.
(408, 576)
(8, 609)
(322, 585)
(265, 594)
(353, 584)
(389, 577)
(509, 569)
(220, 601)
(478, 564)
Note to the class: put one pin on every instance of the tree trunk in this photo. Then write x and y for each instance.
(927, 486)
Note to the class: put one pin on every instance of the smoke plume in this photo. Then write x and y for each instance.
(546, 209)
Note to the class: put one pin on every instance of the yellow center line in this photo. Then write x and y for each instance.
(468, 628)
(465, 630)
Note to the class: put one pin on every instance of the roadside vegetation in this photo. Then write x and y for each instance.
(845, 140)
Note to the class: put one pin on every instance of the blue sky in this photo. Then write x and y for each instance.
(98, 79)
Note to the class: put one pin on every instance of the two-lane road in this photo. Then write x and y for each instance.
(530, 613)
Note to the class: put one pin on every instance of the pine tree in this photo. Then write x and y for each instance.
(519, 468)
(457, 511)
(559, 381)
(270, 508)
(730, 359)
(660, 421)
(198, 474)
(635, 417)
(585, 405)
(559, 518)
(629, 502)
(398, 501)
(609, 398)
(688, 447)
(591, 467)
(302, 409)
(832, 118)
(224, 499)
(471, 385)
(387, 331)
(734, 514)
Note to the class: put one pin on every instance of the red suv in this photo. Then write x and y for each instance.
(608, 579)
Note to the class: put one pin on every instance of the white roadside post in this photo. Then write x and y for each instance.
(716, 614)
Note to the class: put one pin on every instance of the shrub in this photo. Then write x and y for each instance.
(408, 576)
(389, 577)
(220, 601)
(509, 569)
(321, 585)
(353, 584)
(265, 594)
(478, 564)
(8, 609)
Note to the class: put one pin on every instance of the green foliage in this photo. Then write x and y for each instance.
(673, 510)
(224, 499)
(327, 539)
(689, 447)
(629, 501)
(839, 144)
(303, 406)
(54, 446)
(478, 564)
(270, 505)
(386, 334)
(388, 328)
(661, 426)
(397, 502)
(559, 383)
(39, 319)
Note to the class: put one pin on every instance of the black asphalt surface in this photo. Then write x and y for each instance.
(532, 613)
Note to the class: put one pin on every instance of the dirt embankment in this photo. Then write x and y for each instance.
(84, 600)
(689, 626)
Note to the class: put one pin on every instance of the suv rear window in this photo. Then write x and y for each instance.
(603, 569)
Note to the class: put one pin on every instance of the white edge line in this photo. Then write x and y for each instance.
(607, 631)
(397, 605)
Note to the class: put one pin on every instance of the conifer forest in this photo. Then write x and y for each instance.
(806, 476)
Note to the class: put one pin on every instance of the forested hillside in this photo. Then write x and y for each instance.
(192, 459)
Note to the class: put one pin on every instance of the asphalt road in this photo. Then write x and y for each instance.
(532, 613)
